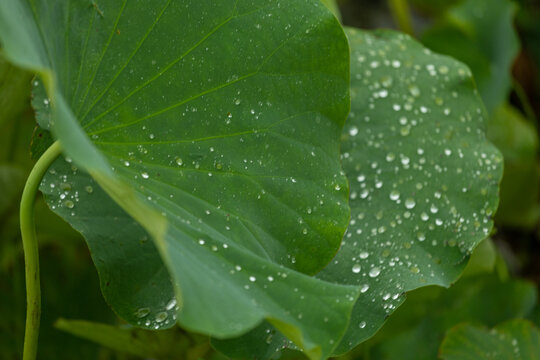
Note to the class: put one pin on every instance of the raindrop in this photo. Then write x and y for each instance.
(171, 304)
(142, 312)
(160, 317)
(410, 203)
(145, 175)
(362, 325)
(394, 195)
(356, 268)
(364, 255)
(374, 272)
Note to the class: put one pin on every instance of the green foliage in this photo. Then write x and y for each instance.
(202, 145)
(413, 168)
(168, 344)
(481, 34)
(517, 339)
(428, 313)
(517, 139)
(416, 157)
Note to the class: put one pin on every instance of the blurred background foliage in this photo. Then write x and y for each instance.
(498, 39)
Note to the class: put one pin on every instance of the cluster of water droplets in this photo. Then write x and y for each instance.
(423, 180)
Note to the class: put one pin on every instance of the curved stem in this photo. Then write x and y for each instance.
(30, 246)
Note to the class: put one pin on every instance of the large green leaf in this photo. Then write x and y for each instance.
(514, 340)
(481, 34)
(423, 179)
(215, 125)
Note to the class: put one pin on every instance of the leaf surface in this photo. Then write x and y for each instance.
(205, 123)
(423, 178)
(514, 340)
(482, 35)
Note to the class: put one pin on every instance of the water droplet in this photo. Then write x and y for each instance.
(160, 317)
(364, 288)
(252, 278)
(89, 189)
(353, 131)
(410, 203)
(179, 161)
(362, 325)
(69, 204)
(421, 236)
(374, 272)
(356, 268)
(394, 195)
(142, 312)
(171, 304)
(364, 255)
(145, 175)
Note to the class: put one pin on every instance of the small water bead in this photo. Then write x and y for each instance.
(126, 163)
(171, 304)
(414, 90)
(356, 268)
(410, 203)
(374, 272)
(362, 324)
(405, 160)
(270, 278)
(201, 242)
(162, 316)
(364, 255)
(142, 312)
(421, 236)
(364, 288)
(89, 189)
(353, 131)
(379, 184)
(145, 175)
(424, 216)
(69, 204)
(433, 209)
(390, 157)
(447, 152)
(361, 178)
(394, 195)
(179, 161)
(252, 278)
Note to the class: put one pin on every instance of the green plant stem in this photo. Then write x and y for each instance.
(30, 246)
(402, 17)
